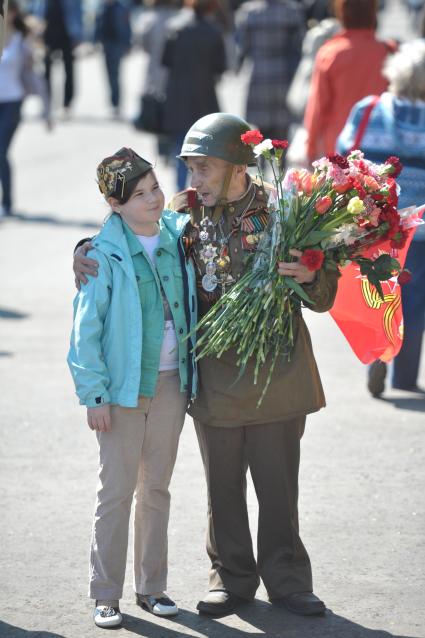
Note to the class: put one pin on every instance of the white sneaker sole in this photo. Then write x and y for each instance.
(108, 621)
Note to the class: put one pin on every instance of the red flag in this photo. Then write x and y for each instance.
(373, 327)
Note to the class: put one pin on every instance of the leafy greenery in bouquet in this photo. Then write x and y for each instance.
(331, 214)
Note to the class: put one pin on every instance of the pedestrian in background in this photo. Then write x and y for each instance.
(135, 372)
(150, 32)
(314, 39)
(194, 55)
(63, 32)
(113, 31)
(348, 67)
(270, 33)
(396, 126)
(17, 79)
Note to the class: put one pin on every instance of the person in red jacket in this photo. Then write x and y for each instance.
(348, 67)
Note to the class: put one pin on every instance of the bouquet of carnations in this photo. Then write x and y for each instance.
(331, 215)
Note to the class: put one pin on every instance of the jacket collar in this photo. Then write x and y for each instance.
(112, 237)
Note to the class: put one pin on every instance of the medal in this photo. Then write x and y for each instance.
(203, 235)
(208, 253)
(209, 282)
(210, 268)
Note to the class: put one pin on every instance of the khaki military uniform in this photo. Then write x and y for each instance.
(234, 434)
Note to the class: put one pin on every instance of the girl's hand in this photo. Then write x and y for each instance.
(99, 419)
(299, 272)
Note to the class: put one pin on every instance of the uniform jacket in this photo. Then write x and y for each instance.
(295, 388)
(106, 341)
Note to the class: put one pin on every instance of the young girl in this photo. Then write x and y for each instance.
(135, 373)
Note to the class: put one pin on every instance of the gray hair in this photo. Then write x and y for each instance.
(405, 71)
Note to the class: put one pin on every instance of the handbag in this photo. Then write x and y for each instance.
(151, 116)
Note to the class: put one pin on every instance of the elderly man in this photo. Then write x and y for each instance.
(228, 209)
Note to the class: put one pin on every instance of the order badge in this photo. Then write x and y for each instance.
(209, 282)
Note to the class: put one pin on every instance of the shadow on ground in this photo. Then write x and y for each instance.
(51, 219)
(415, 403)
(12, 314)
(11, 631)
(265, 621)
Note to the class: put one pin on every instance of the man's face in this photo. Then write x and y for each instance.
(207, 176)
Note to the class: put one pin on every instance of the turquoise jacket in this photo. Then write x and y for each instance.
(105, 356)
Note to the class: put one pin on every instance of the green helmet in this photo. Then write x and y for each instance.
(218, 135)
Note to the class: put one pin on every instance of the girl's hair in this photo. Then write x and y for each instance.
(357, 14)
(129, 187)
(405, 71)
(19, 19)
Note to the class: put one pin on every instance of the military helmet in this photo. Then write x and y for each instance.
(218, 135)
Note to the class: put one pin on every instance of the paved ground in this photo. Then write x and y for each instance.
(362, 478)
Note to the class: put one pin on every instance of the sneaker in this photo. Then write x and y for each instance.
(107, 615)
(376, 378)
(159, 605)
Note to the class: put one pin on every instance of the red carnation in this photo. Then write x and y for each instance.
(339, 160)
(312, 259)
(192, 197)
(280, 143)
(404, 277)
(392, 192)
(359, 188)
(252, 137)
(396, 164)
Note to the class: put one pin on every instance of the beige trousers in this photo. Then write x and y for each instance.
(136, 459)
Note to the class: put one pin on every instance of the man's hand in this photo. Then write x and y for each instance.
(299, 272)
(99, 419)
(84, 265)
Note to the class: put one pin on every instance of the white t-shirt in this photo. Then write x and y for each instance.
(169, 357)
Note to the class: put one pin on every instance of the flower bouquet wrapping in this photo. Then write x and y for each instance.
(331, 215)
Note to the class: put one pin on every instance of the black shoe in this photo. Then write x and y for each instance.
(376, 378)
(303, 603)
(219, 602)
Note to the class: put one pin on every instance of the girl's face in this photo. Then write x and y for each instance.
(146, 203)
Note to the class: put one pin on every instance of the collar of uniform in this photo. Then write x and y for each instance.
(235, 206)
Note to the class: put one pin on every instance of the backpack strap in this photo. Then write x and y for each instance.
(364, 122)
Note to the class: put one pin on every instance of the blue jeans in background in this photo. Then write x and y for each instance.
(114, 53)
(10, 115)
(405, 368)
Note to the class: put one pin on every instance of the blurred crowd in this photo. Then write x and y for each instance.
(318, 75)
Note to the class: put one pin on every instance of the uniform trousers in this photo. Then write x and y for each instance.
(272, 453)
(136, 458)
